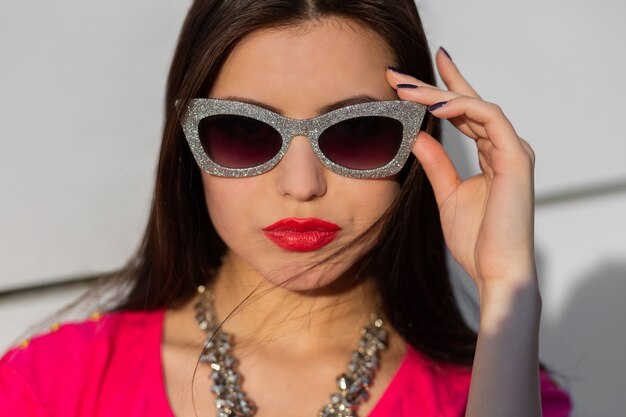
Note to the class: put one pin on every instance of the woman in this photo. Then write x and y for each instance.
(291, 235)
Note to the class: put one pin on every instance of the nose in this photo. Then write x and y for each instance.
(300, 174)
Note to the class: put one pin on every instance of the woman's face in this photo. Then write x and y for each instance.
(297, 71)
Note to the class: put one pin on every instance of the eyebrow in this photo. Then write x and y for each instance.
(362, 98)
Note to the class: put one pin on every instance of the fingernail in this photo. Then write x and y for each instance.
(394, 69)
(445, 52)
(436, 106)
(406, 86)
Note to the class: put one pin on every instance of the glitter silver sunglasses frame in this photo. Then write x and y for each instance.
(409, 113)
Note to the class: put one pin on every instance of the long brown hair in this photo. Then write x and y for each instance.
(180, 247)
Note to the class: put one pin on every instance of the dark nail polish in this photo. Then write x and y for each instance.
(394, 69)
(445, 52)
(436, 106)
(406, 86)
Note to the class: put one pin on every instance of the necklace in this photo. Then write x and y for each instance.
(231, 401)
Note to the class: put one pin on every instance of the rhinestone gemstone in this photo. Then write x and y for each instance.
(231, 401)
(343, 382)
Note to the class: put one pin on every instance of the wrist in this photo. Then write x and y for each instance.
(507, 281)
(519, 305)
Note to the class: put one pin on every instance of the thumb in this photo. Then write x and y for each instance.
(437, 165)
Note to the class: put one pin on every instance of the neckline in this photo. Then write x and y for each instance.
(164, 400)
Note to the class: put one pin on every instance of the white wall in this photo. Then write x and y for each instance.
(81, 91)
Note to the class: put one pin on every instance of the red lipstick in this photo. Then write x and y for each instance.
(301, 235)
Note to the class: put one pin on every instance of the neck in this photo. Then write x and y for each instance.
(263, 315)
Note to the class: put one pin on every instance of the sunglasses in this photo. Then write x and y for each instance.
(235, 139)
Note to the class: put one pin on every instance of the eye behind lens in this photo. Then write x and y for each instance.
(235, 141)
(365, 142)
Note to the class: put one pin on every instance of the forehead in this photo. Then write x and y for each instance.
(302, 68)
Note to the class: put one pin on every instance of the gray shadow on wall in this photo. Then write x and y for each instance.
(587, 344)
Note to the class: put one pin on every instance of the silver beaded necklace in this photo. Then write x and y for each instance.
(231, 401)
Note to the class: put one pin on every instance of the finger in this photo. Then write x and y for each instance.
(425, 94)
(451, 76)
(497, 128)
(429, 96)
(437, 165)
(394, 77)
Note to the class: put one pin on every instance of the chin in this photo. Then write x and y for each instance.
(329, 277)
(308, 272)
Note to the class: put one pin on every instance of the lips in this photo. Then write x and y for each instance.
(301, 235)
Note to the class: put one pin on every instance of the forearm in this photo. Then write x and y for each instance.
(505, 374)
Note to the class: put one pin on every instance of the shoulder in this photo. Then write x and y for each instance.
(76, 339)
(63, 365)
(443, 389)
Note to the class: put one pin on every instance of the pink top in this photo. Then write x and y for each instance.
(111, 366)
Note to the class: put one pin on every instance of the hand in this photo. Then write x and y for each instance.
(488, 219)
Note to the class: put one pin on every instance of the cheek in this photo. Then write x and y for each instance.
(226, 204)
(373, 197)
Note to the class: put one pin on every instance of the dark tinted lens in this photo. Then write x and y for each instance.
(238, 141)
(362, 142)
